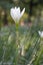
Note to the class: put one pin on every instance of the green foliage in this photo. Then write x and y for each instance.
(12, 41)
(9, 50)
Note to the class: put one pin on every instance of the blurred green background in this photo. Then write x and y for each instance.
(34, 10)
(23, 46)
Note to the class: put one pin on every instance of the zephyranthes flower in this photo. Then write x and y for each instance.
(40, 33)
(16, 14)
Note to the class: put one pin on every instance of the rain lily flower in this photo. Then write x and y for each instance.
(16, 14)
(40, 33)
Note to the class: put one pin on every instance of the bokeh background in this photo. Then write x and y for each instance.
(34, 10)
(23, 46)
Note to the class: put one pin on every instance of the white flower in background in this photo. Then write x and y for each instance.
(16, 14)
(40, 33)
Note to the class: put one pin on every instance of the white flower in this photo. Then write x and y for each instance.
(16, 14)
(40, 33)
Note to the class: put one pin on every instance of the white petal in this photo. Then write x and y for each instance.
(39, 32)
(17, 14)
(18, 9)
(15, 8)
(22, 12)
(12, 13)
(42, 33)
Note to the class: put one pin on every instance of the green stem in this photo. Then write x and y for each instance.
(17, 36)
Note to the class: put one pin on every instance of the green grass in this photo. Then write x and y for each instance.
(10, 39)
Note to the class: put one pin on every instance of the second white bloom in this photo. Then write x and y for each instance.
(40, 33)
